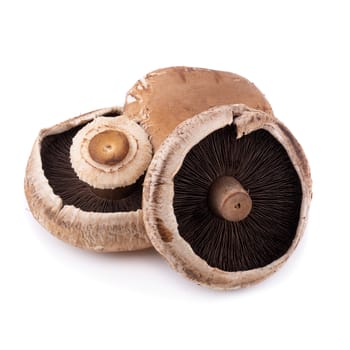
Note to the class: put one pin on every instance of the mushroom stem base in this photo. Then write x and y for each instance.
(229, 200)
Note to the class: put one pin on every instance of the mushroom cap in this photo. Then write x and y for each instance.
(162, 224)
(98, 231)
(166, 97)
(116, 134)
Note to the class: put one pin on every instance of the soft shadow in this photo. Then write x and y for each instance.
(143, 272)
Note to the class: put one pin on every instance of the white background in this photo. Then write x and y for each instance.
(60, 59)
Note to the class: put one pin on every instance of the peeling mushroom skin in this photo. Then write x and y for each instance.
(117, 225)
(228, 156)
(168, 96)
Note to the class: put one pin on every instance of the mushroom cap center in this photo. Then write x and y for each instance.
(229, 200)
(109, 147)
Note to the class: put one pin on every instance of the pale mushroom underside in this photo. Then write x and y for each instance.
(98, 231)
(161, 222)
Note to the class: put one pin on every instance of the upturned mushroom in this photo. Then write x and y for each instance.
(84, 179)
(166, 97)
(226, 196)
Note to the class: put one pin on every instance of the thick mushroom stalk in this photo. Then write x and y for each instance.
(110, 153)
(229, 200)
(109, 147)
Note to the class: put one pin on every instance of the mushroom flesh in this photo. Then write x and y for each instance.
(226, 196)
(84, 181)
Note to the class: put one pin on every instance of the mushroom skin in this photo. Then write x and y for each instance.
(166, 97)
(100, 232)
(158, 210)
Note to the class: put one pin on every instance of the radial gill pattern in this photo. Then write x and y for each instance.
(55, 155)
(262, 166)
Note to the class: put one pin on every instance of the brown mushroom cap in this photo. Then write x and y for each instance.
(160, 198)
(74, 220)
(166, 97)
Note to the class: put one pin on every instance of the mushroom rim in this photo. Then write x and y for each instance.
(160, 221)
(63, 220)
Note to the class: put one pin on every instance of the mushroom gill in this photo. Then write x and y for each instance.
(262, 166)
(55, 155)
(226, 196)
(103, 213)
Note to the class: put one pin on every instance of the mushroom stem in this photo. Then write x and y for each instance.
(109, 147)
(229, 200)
